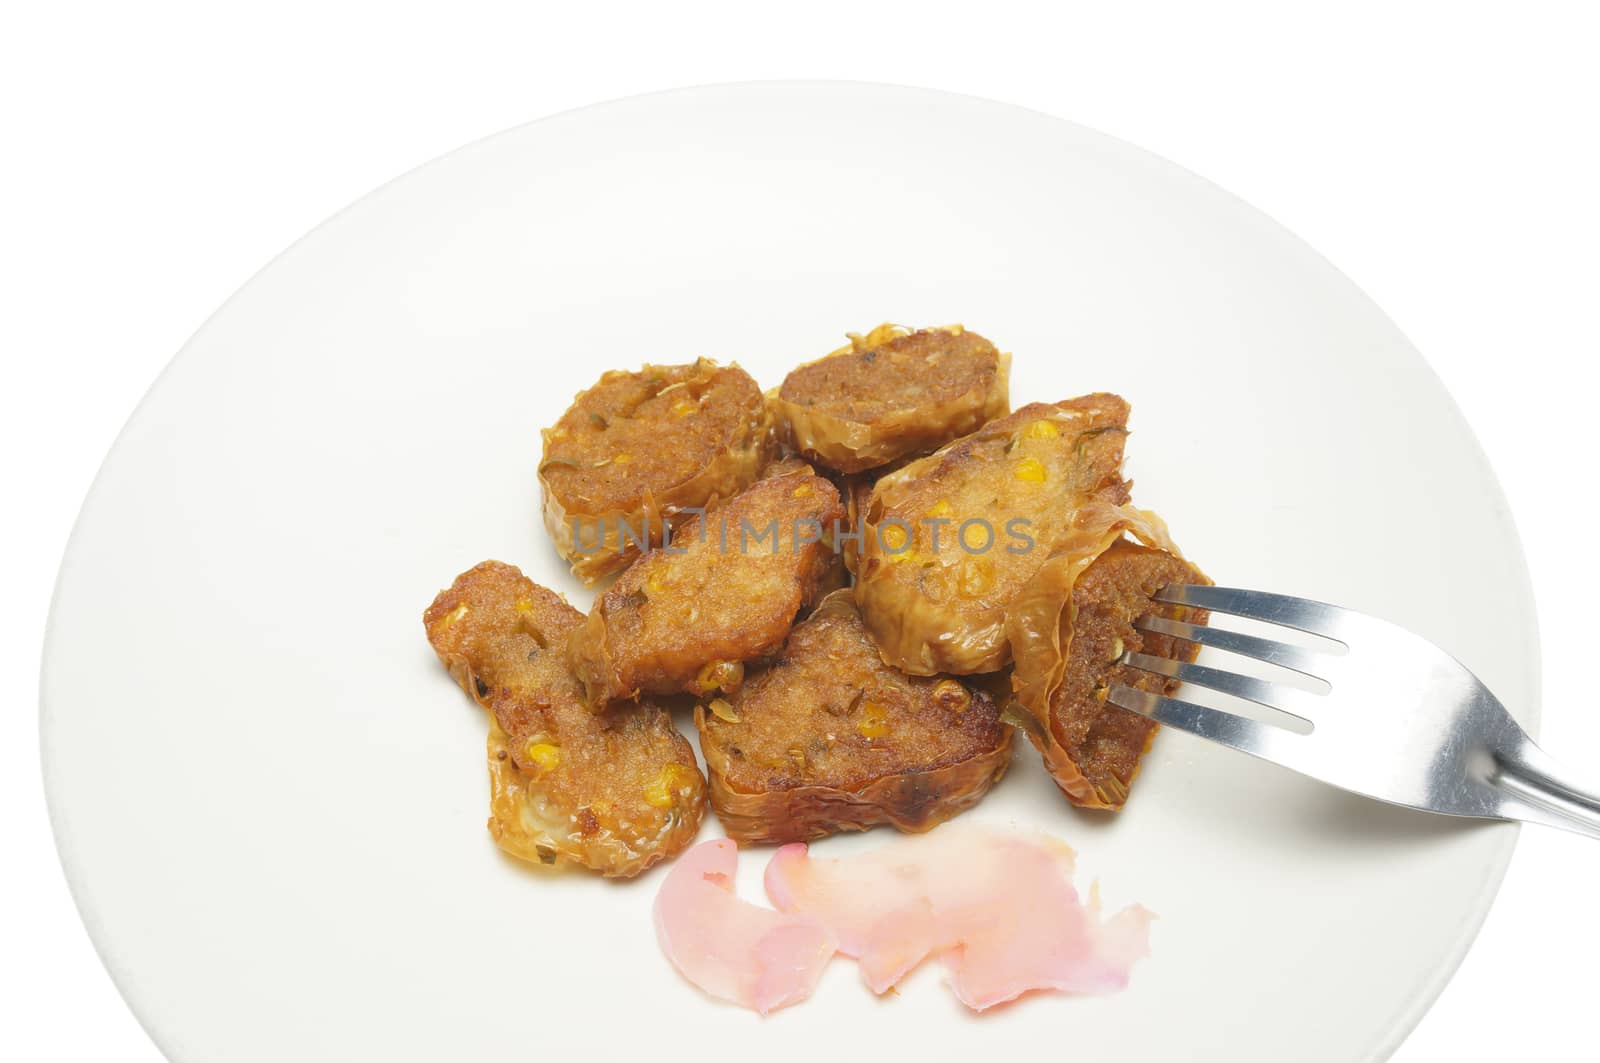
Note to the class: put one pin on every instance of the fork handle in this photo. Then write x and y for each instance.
(1539, 790)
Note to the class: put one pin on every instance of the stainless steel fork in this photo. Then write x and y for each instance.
(1402, 721)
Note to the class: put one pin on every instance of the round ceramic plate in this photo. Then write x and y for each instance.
(270, 799)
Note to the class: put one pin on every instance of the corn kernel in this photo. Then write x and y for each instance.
(894, 538)
(452, 616)
(524, 605)
(720, 675)
(803, 491)
(682, 408)
(1030, 470)
(656, 583)
(1116, 649)
(940, 508)
(874, 724)
(542, 755)
(952, 695)
(623, 458)
(663, 790)
(1041, 430)
(722, 710)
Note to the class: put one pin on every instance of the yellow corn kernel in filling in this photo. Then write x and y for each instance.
(524, 605)
(952, 695)
(940, 508)
(722, 710)
(451, 617)
(664, 789)
(894, 538)
(542, 755)
(719, 675)
(1030, 470)
(682, 408)
(1041, 430)
(803, 491)
(874, 724)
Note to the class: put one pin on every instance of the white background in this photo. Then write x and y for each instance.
(1445, 156)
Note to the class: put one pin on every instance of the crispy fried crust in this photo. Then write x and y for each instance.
(686, 621)
(830, 739)
(615, 791)
(891, 393)
(640, 449)
(935, 605)
(1092, 748)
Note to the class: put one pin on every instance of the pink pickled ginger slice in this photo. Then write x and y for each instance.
(999, 910)
(754, 957)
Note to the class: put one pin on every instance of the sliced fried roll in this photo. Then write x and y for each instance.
(892, 393)
(725, 591)
(829, 738)
(615, 791)
(951, 539)
(639, 451)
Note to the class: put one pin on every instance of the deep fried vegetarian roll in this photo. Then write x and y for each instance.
(727, 591)
(951, 538)
(1070, 630)
(829, 738)
(892, 393)
(639, 450)
(615, 791)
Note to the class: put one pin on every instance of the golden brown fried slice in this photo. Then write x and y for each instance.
(685, 618)
(891, 393)
(829, 739)
(1091, 747)
(952, 537)
(637, 450)
(615, 791)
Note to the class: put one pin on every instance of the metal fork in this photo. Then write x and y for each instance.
(1402, 721)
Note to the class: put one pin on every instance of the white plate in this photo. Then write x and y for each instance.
(270, 798)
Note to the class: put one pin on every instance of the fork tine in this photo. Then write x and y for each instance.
(1294, 703)
(1306, 662)
(1299, 613)
(1245, 735)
